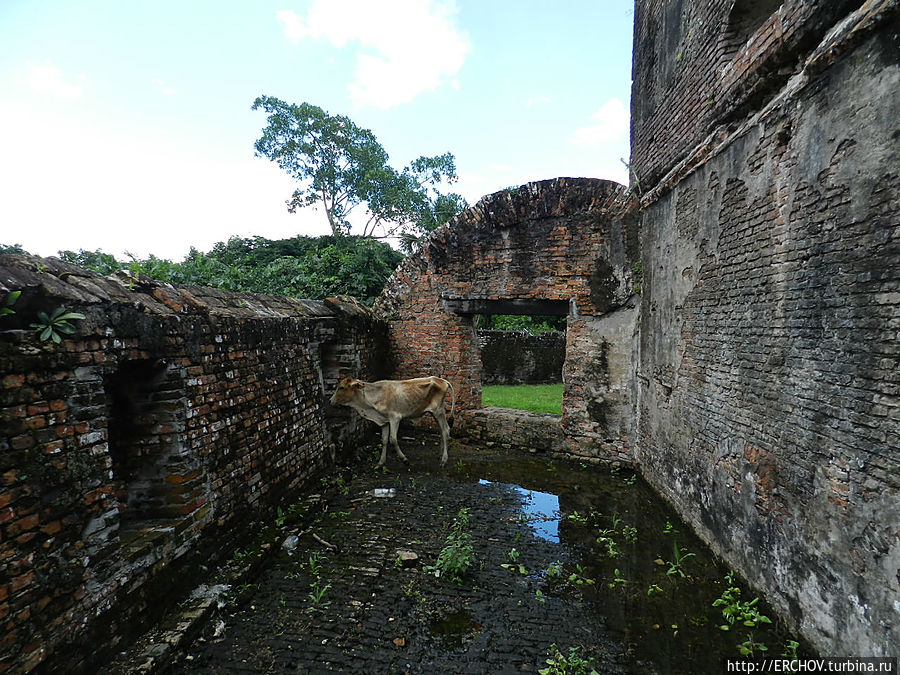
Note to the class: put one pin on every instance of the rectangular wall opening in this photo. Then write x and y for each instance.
(522, 359)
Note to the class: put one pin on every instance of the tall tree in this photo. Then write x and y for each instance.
(341, 166)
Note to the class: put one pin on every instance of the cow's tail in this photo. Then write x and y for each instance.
(452, 400)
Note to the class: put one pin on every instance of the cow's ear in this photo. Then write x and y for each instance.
(358, 385)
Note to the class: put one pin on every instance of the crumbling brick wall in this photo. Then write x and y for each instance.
(516, 357)
(172, 418)
(769, 367)
(565, 245)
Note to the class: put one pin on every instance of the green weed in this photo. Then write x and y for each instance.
(560, 664)
(456, 558)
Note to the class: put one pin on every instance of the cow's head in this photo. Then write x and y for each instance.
(346, 390)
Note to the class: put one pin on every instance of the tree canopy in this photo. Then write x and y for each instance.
(344, 169)
(304, 267)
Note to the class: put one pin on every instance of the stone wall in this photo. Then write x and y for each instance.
(503, 429)
(565, 247)
(517, 357)
(769, 367)
(146, 444)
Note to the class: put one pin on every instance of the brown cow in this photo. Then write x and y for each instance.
(386, 402)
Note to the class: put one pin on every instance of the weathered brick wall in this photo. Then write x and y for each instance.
(502, 429)
(516, 357)
(769, 368)
(173, 418)
(699, 63)
(567, 243)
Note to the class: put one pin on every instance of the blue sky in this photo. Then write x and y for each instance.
(125, 125)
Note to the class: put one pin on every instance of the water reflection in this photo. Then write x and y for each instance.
(539, 509)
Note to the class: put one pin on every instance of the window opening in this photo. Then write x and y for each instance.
(522, 360)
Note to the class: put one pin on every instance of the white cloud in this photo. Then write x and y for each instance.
(48, 79)
(163, 88)
(610, 125)
(405, 47)
(173, 198)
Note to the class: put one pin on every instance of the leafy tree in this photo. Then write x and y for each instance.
(342, 166)
(13, 248)
(104, 263)
(305, 267)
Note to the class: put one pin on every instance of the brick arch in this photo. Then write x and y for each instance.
(562, 246)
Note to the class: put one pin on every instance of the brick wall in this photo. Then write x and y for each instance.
(568, 245)
(516, 357)
(769, 367)
(697, 64)
(173, 418)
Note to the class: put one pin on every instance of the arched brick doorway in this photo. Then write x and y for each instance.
(566, 246)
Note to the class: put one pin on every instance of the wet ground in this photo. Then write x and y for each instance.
(567, 561)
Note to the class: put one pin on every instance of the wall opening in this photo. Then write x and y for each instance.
(153, 475)
(521, 352)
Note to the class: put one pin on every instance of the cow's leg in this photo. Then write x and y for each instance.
(385, 432)
(441, 417)
(395, 424)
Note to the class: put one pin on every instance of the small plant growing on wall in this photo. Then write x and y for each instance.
(52, 326)
(11, 298)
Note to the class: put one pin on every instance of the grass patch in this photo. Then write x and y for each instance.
(538, 398)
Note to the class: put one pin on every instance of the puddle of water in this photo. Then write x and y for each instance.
(624, 551)
(539, 509)
(453, 628)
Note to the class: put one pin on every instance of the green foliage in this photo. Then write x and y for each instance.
(513, 556)
(749, 647)
(605, 539)
(341, 166)
(12, 248)
(618, 580)
(538, 398)
(11, 298)
(669, 528)
(737, 611)
(455, 559)
(678, 558)
(56, 324)
(560, 664)
(606, 536)
(306, 267)
(100, 262)
(578, 577)
(790, 649)
(317, 593)
(533, 325)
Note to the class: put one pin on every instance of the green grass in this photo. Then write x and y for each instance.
(539, 398)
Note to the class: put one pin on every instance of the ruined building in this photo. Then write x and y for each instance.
(733, 323)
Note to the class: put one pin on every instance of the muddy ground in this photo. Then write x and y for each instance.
(343, 600)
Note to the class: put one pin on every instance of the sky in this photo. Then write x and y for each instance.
(126, 125)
